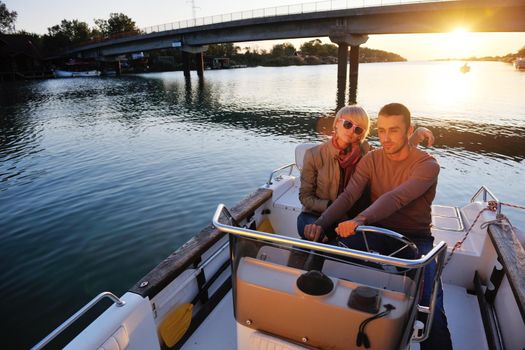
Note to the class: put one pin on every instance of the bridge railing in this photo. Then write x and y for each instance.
(318, 6)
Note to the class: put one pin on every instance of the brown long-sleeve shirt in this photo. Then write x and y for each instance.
(401, 191)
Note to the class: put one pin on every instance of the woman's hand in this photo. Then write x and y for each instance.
(313, 232)
(421, 134)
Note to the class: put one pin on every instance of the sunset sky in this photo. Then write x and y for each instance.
(36, 16)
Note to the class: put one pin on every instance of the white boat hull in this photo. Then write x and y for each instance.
(81, 74)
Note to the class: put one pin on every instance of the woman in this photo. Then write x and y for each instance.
(327, 168)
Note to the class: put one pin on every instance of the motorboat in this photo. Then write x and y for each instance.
(519, 63)
(247, 282)
(60, 73)
(465, 68)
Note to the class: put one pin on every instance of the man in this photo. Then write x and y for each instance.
(402, 182)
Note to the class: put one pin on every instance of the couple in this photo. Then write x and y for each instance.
(402, 183)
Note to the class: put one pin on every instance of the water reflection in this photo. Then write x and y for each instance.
(494, 141)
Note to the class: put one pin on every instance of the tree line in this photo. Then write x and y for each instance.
(310, 52)
(69, 32)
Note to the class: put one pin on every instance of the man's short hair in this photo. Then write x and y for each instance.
(396, 109)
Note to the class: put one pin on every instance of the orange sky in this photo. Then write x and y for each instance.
(458, 44)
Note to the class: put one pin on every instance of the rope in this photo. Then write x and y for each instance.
(491, 206)
(513, 205)
(459, 243)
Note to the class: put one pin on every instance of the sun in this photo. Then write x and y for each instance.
(459, 30)
(458, 43)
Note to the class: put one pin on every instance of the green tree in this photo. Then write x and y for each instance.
(372, 55)
(65, 34)
(222, 50)
(7, 19)
(35, 38)
(286, 49)
(317, 48)
(311, 47)
(117, 23)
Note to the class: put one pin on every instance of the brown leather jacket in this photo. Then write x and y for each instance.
(321, 176)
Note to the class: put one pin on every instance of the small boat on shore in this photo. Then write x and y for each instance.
(239, 285)
(77, 68)
(519, 63)
(59, 73)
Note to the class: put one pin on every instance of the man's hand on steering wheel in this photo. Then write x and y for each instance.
(347, 228)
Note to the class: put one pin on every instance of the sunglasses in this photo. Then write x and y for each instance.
(347, 124)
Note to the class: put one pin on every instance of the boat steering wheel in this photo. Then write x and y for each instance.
(405, 242)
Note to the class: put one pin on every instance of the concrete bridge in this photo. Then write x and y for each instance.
(346, 22)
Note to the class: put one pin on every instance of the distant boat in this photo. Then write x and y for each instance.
(519, 63)
(59, 73)
(465, 68)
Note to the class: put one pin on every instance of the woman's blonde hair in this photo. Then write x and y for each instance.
(358, 114)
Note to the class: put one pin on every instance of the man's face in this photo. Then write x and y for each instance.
(393, 133)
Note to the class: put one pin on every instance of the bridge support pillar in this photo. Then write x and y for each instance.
(118, 68)
(199, 59)
(199, 62)
(354, 41)
(342, 64)
(186, 63)
(354, 69)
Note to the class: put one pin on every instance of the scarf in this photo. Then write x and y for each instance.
(347, 159)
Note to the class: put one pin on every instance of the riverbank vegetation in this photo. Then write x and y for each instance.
(286, 54)
(7, 19)
(74, 32)
(508, 58)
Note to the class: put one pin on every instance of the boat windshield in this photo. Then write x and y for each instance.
(286, 290)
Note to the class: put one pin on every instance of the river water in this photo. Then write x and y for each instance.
(102, 178)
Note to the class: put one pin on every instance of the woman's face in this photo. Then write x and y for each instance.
(348, 131)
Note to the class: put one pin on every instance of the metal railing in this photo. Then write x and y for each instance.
(291, 166)
(486, 193)
(439, 252)
(325, 248)
(309, 7)
(76, 316)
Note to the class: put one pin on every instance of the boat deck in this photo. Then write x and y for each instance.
(218, 331)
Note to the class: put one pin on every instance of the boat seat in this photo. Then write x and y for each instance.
(300, 150)
(286, 202)
(447, 218)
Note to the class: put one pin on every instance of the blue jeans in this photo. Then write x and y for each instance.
(439, 337)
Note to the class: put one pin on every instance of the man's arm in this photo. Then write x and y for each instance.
(422, 178)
